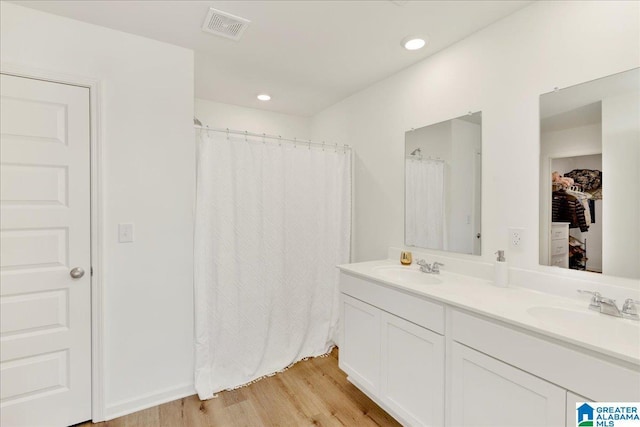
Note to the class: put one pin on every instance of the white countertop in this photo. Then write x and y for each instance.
(612, 336)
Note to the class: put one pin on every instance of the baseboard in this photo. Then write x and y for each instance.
(129, 406)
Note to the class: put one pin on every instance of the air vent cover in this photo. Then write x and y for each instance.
(224, 24)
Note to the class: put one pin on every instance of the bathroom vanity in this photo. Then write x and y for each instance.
(455, 350)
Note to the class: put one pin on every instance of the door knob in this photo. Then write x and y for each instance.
(76, 273)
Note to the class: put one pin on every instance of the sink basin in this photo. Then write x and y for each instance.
(563, 316)
(406, 275)
(572, 320)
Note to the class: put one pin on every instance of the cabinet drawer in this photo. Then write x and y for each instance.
(559, 233)
(559, 247)
(560, 260)
(558, 363)
(425, 313)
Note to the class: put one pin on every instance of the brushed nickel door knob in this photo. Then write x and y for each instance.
(76, 273)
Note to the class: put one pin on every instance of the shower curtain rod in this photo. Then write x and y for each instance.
(278, 137)
(424, 158)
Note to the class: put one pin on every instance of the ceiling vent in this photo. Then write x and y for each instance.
(224, 24)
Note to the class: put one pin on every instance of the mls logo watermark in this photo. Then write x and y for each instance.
(608, 414)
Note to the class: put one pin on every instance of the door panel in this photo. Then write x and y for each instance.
(360, 352)
(488, 392)
(412, 381)
(45, 332)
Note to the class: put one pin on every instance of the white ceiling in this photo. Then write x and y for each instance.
(307, 55)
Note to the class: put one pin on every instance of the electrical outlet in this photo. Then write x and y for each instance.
(516, 237)
(125, 233)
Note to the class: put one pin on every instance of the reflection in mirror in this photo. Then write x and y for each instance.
(442, 185)
(589, 176)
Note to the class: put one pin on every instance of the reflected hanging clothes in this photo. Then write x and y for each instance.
(567, 208)
(589, 179)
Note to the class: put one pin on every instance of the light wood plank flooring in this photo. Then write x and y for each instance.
(314, 392)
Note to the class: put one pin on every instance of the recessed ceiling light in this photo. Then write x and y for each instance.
(413, 43)
(264, 97)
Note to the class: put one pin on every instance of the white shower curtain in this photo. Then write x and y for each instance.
(272, 223)
(424, 205)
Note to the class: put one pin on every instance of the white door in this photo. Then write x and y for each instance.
(360, 351)
(412, 380)
(477, 204)
(45, 351)
(488, 392)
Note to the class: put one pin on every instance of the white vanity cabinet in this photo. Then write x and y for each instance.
(408, 352)
(399, 363)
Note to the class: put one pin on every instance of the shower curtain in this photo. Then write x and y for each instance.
(272, 222)
(424, 206)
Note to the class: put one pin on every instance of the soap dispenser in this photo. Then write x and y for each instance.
(501, 271)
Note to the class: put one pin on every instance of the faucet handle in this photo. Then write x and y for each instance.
(629, 309)
(435, 267)
(595, 299)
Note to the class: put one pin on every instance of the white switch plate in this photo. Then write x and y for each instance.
(125, 233)
(516, 237)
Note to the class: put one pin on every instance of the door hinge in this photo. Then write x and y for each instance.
(91, 271)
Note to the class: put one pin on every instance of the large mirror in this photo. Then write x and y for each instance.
(443, 169)
(589, 176)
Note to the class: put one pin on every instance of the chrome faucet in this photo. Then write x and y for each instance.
(425, 267)
(629, 309)
(608, 306)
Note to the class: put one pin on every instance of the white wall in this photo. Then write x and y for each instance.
(148, 146)
(219, 115)
(620, 159)
(501, 71)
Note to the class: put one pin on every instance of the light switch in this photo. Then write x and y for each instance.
(125, 233)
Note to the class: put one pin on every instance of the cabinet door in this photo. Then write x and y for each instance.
(360, 351)
(487, 392)
(412, 378)
(572, 412)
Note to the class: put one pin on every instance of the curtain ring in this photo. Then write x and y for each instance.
(295, 142)
(263, 136)
(208, 130)
(336, 147)
(309, 145)
(322, 145)
(245, 136)
(279, 141)
(227, 133)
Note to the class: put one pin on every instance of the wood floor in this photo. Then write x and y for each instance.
(314, 392)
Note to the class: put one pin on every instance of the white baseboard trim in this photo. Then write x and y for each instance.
(129, 406)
